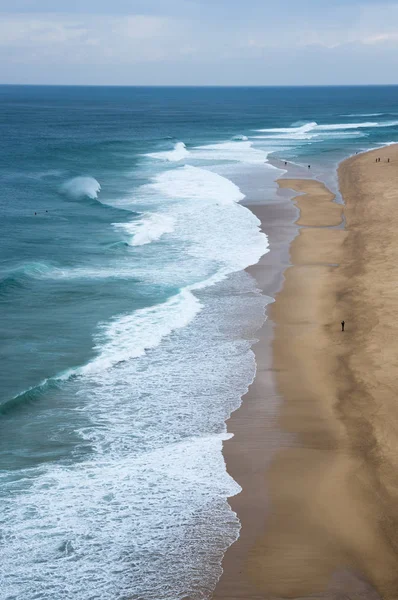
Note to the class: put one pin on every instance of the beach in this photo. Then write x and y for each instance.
(314, 444)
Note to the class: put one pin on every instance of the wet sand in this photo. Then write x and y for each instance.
(316, 438)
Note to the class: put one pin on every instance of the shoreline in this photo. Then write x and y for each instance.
(309, 514)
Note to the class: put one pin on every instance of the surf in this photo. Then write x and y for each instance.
(147, 229)
(178, 153)
(81, 187)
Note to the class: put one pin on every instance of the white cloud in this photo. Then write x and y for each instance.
(218, 46)
(132, 37)
(22, 32)
(381, 38)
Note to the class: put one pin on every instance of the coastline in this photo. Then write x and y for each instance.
(317, 499)
(254, 424)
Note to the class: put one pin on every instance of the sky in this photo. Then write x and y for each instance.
(199, 42)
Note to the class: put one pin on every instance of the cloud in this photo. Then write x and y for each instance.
(381, 38)
(16, 32)
(197, 41)
(69, 38)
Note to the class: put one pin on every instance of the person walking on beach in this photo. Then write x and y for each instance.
(342, 325)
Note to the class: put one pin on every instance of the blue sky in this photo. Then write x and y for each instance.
(192, 42)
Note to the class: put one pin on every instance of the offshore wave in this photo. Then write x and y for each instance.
(19, 276)
(292, 130)
(342, 126)
(178, 153)
(81, 187)
(22, 275)
(364, 115)
(237, 150)
(311, 130)
(34, 393)
(14, 283)
(29, 396)
(119, 246)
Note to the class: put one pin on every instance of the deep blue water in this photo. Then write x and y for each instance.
(125, 318)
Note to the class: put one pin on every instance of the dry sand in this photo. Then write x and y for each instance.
(319, 507)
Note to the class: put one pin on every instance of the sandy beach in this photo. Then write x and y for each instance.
(315, 445)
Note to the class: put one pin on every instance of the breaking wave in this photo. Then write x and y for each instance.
(148, 229)
(81, 187)
(178, 153)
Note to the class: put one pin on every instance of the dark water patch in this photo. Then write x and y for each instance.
(10, 284)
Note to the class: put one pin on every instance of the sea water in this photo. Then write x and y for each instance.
(128, 319)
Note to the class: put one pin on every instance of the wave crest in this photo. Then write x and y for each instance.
(81, 187)
(178, 153)
(19, 276)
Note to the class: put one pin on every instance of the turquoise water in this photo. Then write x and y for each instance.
(127, 319)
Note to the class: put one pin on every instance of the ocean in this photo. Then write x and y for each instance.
(128, 318)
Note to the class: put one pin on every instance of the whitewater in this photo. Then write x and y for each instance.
(69, 513)
(129, 319)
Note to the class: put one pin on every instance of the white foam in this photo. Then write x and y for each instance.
(196, 184)
(342, 126)
(314, 132)
(178, 153)
(148, 229)
(77, 531)
(364, 115)
(302, 129)
(217, 232)
(221, 235)
(364, 125)
(133, 335)
(80, 187)
(235, 151)
(151, 481)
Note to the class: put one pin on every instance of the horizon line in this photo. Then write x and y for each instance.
(186, 86)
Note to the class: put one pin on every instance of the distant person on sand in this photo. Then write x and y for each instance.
(342, 325)
(309, 166)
